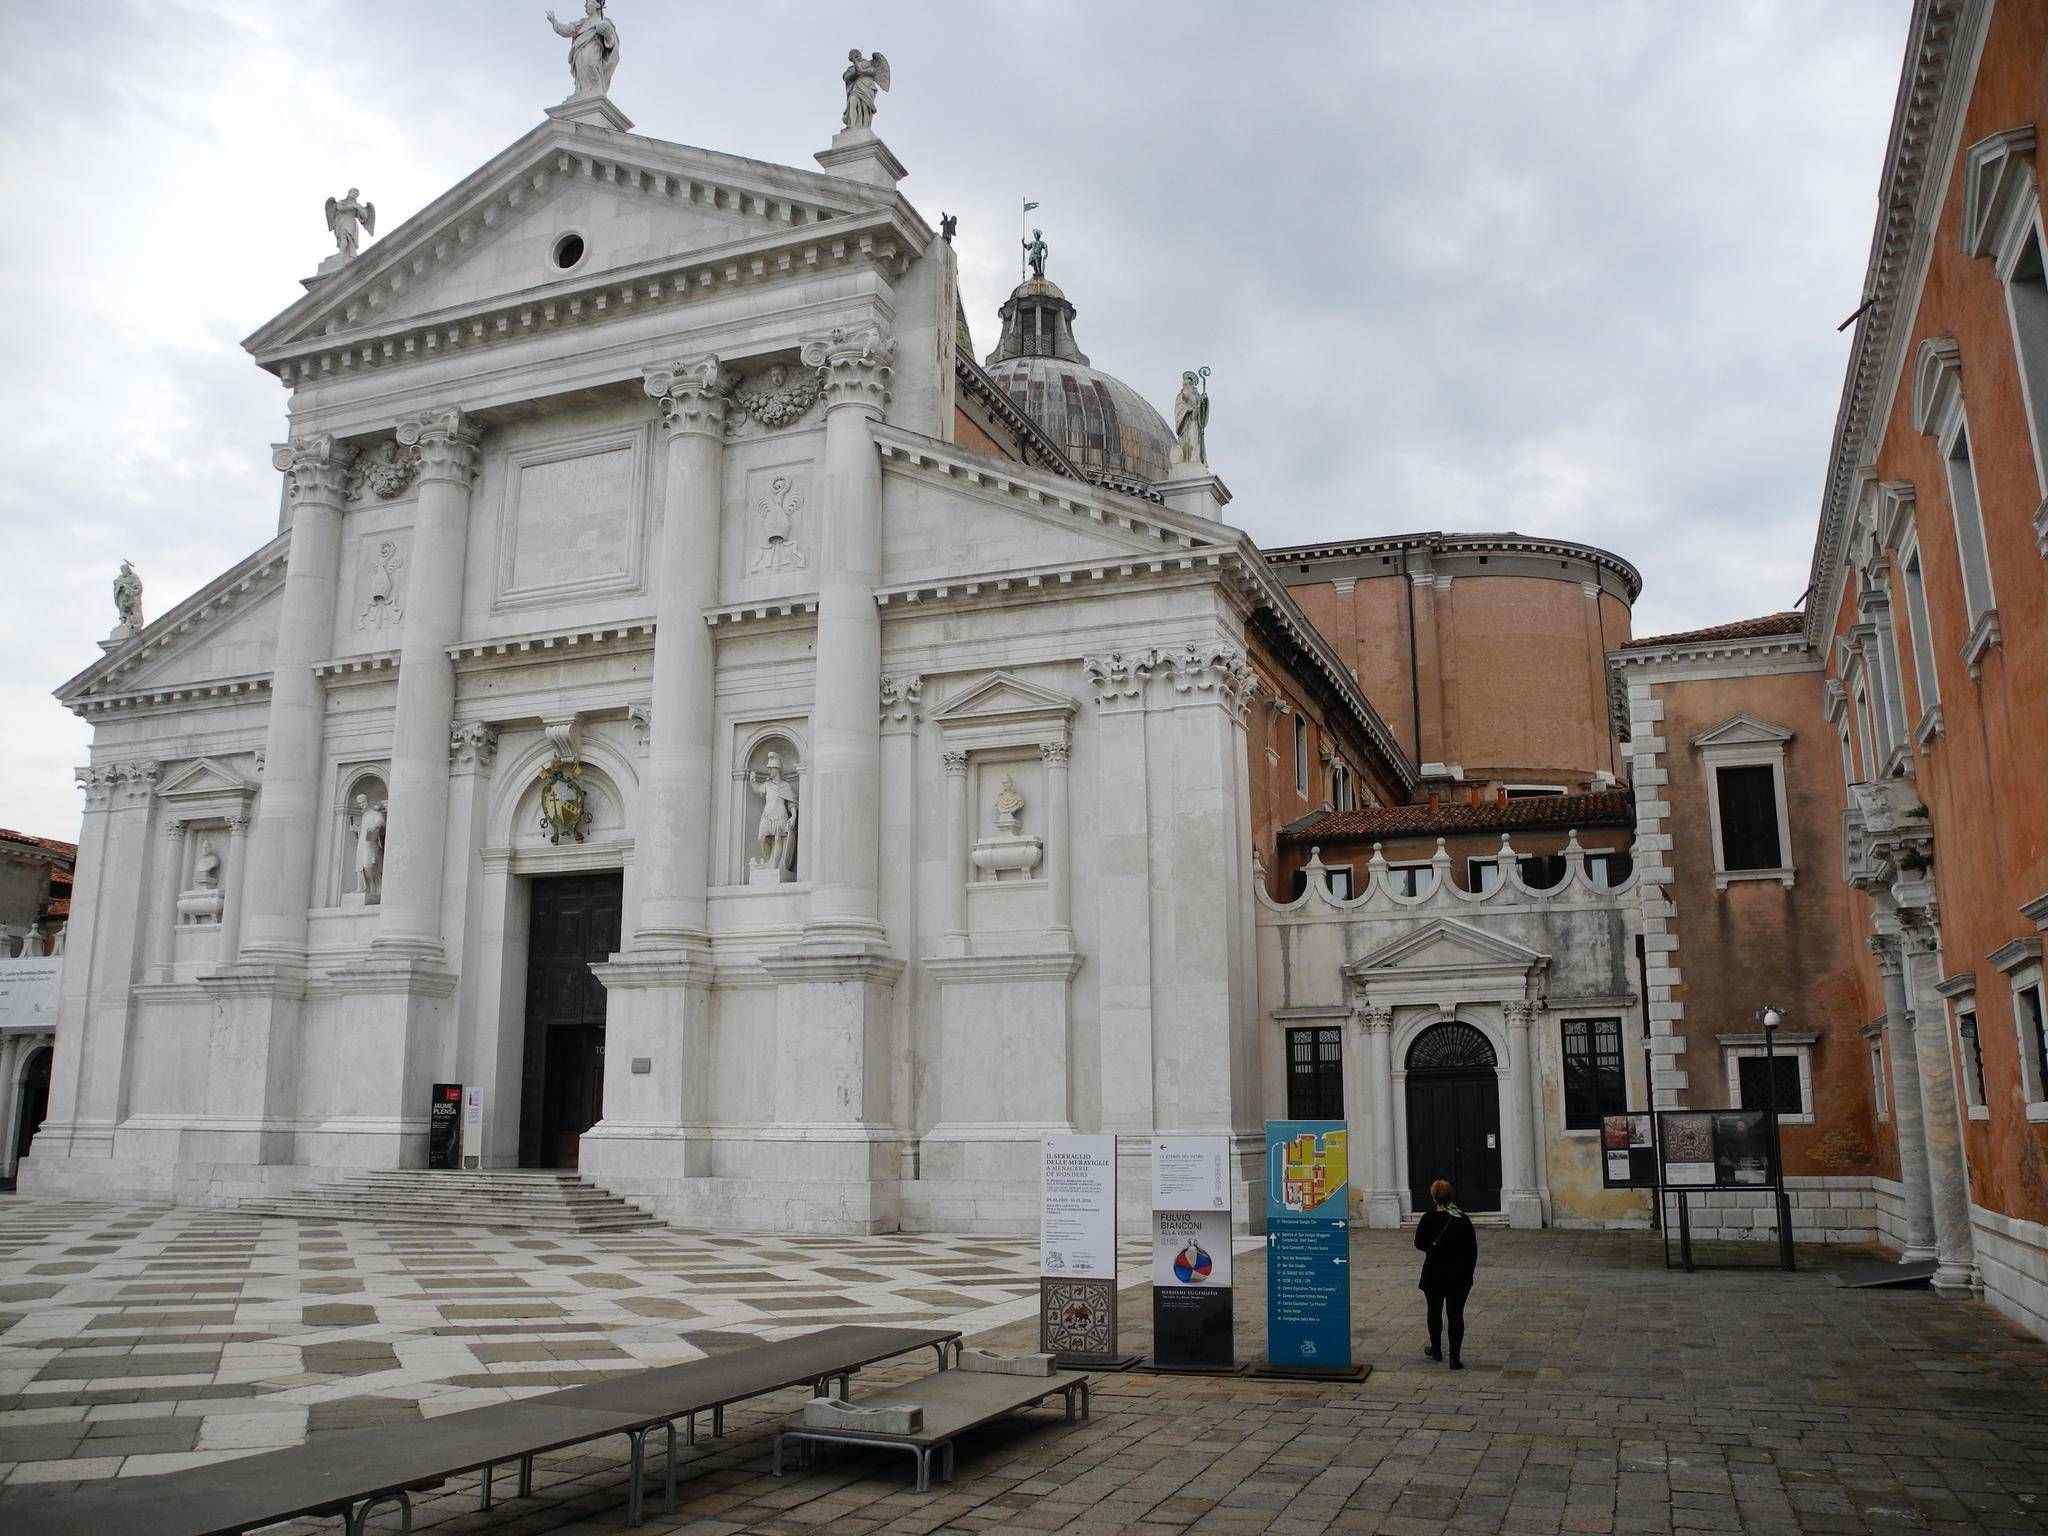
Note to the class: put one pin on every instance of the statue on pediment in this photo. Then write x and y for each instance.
(128, 599)
(866, 76)
(593, 49)
(1191, 418)
(349, 219)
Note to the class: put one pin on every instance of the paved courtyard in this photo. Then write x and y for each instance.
(1605, 1394)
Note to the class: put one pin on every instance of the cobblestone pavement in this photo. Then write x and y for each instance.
(1604, 1395)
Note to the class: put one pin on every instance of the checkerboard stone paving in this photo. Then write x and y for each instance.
(1606, 1396)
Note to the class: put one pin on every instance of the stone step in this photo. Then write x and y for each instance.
(511, 1199)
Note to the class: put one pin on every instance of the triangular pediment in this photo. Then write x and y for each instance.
(1001, 697)
(225, 630)
(1743, 730)
(1445, 947)
(639, 205)
(204, 780)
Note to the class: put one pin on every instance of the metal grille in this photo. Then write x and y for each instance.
(1452, 1047)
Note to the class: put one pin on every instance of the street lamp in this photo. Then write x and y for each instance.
(1770, 1018)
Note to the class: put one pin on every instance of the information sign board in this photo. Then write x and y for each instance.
(1077, 1229)
(1715, 1148)
(1191, 1173)
(1628, 1153)
(473, 1127)
(1308, 1246)
(444, 1126)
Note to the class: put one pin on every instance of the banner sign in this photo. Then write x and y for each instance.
(1308, 1245)
(473, 1128)
(1077, 1226)
(1193, 1309)
(1077, 1250)
(444, 1126)
(1628, 1153)
(1715, 1148)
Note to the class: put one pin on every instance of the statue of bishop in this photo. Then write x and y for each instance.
(127, 599)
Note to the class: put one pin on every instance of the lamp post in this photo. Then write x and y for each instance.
(1769, 1018)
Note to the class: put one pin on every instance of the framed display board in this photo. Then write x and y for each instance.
(1714, 1148)
(1628, 1150)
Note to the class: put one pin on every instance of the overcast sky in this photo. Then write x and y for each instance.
(1570, 270)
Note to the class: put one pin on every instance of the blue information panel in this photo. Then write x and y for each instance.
(1308, 1241)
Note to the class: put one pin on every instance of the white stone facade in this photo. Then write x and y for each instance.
(577, 536)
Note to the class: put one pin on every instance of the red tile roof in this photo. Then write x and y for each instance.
(45, 844)
(1600, 808)
(1742, 629)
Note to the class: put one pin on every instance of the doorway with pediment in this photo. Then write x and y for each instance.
(1452, 1080)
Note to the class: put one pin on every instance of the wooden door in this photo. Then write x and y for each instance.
(1454, 1116)
(575, 922)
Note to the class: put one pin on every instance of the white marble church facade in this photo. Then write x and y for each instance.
(618, 470)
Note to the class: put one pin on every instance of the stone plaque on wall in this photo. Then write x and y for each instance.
(572, 521)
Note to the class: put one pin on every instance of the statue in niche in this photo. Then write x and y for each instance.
(865, 77)
(348, 220)
(775, 837)
(383, 589)
(370, 816)
(127, 599)
(201, 902)
(593, 49)
(1191, 418)
(778, 511)
(1035, 252)
(1009, 807)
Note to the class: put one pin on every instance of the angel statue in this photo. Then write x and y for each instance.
(128, 597)
(776, 835)
(1191, 418)
(866, 77)
(593, 49)
(348, 220)
(1035, 252)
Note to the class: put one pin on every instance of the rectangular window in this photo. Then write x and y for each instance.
(1482, 876)
(1541, 871)
(1339, 877)
(1962, 499)
(2030, 1012)
(2026, 297)
(1922, 632)
(1300, 755)
(1410, 879)
(1340, 786)
(1593, 1081)
(1607, 870)
(1878, 1093)
(1973, 1062)
(1756, 1077)
(1848, 759)
(1749, 817)
(1532, 791)
(1866, 737)
(1315, 1073)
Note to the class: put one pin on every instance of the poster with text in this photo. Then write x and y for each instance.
(1191, 1173)
(1191, 1250)
(1077, 1217)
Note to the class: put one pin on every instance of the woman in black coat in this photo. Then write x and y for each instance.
(1450, 1254)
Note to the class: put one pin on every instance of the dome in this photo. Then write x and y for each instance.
(1108, 429)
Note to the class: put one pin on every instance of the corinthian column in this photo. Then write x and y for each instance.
(844, 814)
(1907, 1120)
(1521, 1197)
(416, 839)
(1948, 1175)
(1385, 1200)
(673, 840)
(281, 846)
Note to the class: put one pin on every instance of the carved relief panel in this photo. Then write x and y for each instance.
(779, 550)
(383, 562)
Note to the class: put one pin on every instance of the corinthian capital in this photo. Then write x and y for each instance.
(694, 395)
(1374, 1020)
(1520, 1015)
(316, 467)
(1886, 947)
(858, 364)
(472, 745)
(447, 441)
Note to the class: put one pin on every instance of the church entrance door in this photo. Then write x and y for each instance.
(35, 1100)
(1454, 1116)
(575, 922)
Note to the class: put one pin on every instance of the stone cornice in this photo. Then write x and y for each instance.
(254, 577)
(516, 650)
(1934, 84)
(1453, 544)
(1739, 649)
(376, 667)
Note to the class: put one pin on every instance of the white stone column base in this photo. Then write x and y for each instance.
(1956, 1279)
(1524, 1209)
(1384, 1208)
(1920, 1255)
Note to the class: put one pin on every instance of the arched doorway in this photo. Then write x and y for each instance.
(35, 1100)
(1454, 1116)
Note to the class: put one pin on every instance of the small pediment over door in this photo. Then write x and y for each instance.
(1000, 698)
(1445, 949)
(1743, 731)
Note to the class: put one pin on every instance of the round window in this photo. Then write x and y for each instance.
(568, 251)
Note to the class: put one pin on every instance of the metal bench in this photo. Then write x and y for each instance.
(953, 1404)
(356, 1472)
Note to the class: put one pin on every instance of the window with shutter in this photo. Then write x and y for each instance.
(1749, 817)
